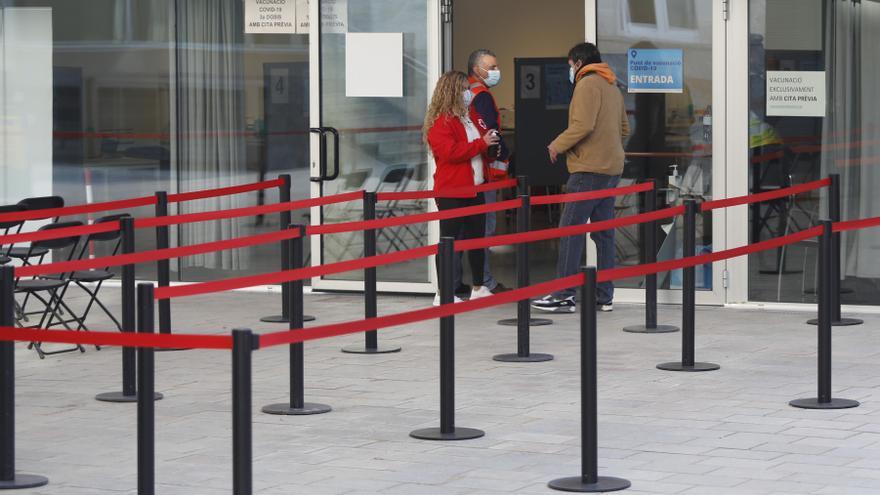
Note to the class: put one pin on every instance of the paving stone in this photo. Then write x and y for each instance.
(726, 432)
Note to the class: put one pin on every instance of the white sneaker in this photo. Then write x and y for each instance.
(455, 299)
(481, 292)
(605, 308)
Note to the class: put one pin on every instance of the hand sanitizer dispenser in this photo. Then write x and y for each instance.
(674, 183)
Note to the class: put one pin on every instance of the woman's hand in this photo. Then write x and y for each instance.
(492, 138)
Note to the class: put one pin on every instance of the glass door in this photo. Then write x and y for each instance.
(369, 95)
(669, 56)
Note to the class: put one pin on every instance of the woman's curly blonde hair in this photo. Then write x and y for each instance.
(447, 99)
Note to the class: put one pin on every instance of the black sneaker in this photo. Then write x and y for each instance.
(552, 304)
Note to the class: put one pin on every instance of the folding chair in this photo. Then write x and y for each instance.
(83, 277)
(25, 254)
(49, 290)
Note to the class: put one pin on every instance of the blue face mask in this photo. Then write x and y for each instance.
(493, 78)
(468, 97)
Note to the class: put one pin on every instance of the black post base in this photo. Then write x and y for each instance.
(533, 322)
(119, 397)
(843, 322)
(363, 349)
(533, 357)
(677, 366)
(813, 403)
(283, 319)
(285, 409)
(457, 434)
(24, 481)
(647, 329)
(579, 484)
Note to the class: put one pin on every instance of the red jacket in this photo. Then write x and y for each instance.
(452, 154)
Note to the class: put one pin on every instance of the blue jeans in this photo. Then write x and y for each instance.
(488, 280)
(571, 249)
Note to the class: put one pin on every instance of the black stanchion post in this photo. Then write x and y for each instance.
(447, 430)
(285, 221)
(523, 224)
(129, 374)
(834, 212)
(9, 479)
(688, 298)
(523, 320)
(163, 267)
(648, 233)
(824, 399)
(146, 406)
(371, 338)
(297, 405)
(244, 343)
(589, 481)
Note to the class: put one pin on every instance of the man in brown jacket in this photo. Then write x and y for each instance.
(593, 148)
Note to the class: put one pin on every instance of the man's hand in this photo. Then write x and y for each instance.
(553, 154)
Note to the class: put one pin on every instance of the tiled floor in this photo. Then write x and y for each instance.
(724, 432)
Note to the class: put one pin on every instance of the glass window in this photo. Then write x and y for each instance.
(642, 12)
(112, 99)
(671, 137)
(833, 41)
(681, 14)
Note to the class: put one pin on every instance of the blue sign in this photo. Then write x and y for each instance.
(655, 71)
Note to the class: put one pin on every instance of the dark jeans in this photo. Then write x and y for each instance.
(489, 280)
(470, 227)
(571, 249)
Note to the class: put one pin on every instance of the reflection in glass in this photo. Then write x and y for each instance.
(642, 12)
(681, 14)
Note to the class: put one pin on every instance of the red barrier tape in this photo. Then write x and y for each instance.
(472, 191)
(291, 275)
(336, 228)
(333, 330)
(155, 255)
(123, 204)
(766, 196)
(121, 339)
(77, 210)
(44, 235)
(224, 191)
(669, 265)
(246, 211)
(542, 235)
(589, 195)
(856, 224)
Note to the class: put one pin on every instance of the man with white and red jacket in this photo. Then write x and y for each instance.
(483, 74)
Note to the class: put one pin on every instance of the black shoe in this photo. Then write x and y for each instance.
(463, 290)
(552, 304)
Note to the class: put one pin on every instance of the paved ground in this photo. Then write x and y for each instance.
(725, 432)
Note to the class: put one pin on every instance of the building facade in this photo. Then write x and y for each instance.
(110, 99)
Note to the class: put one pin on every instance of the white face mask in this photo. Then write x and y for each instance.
(493, 77)
(571, 74)
(468, 97)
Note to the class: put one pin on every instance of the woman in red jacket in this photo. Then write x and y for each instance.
(460, 149)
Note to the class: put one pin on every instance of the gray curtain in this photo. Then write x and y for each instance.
(851, 137)
(210, 106)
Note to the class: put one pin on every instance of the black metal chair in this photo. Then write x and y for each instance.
(25, 254)
(83, 277)
(49, 290)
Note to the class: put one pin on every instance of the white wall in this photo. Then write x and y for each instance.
(26, 103)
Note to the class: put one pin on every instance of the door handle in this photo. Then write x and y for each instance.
(335, 173)
(322, 154)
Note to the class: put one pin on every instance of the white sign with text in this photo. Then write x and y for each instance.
(270, 16)
(796, 94)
